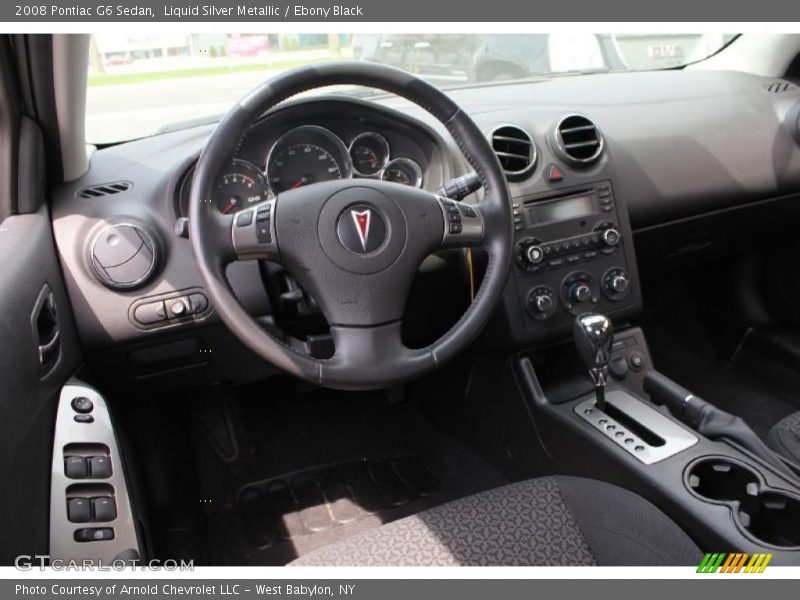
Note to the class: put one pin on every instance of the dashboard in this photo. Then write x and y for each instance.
(609, 174)
(300, 151)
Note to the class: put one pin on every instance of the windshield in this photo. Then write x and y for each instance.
(141, 85)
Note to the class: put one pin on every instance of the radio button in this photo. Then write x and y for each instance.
(534, 254)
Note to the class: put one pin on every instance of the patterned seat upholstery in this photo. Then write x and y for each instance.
(784, 437)
(547, 521)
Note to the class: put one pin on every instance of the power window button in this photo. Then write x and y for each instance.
(100, 467)
(79, 510)
(105, 509)
(75, 467)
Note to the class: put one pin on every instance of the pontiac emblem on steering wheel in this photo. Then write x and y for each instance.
(361, 219)
(361, 229)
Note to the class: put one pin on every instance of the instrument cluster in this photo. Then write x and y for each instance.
(302, 156)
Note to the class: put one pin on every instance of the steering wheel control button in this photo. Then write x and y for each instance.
(100, 467)
(104, 509)
(94, 534)
(79, 510)
(244, 219)
(84, 419)
(82, 404)
(264, 224)
(361, 229)
(152, 312)
(75, 467)
(124, 256)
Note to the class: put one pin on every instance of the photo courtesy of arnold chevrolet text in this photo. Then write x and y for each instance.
(383, 299)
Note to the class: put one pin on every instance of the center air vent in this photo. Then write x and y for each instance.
(106, 189)
(516, 151)
(578, 140)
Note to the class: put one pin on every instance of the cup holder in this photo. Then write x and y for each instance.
(769, 515)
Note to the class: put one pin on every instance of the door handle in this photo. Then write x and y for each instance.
(46, 330)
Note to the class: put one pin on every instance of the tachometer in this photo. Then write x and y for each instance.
(306, 155)
(241, 184)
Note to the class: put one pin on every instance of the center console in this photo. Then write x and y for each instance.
(694, 461)
(573, 254)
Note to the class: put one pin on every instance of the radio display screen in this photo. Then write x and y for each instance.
(563, 209)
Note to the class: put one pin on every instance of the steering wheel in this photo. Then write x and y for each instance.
(354, 245)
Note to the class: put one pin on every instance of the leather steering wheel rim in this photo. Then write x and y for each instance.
(368, 354)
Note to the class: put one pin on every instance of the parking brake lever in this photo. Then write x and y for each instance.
(708, 420)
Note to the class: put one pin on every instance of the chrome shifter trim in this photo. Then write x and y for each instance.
(63, 546)
(676, 437)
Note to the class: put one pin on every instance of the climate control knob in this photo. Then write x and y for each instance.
(619, 284)
(580, 292)
(542, 303)
(616, 283)
(611, 237)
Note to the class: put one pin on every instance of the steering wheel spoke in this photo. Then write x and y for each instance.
(253, 232)
(375, 355)
(463, 224)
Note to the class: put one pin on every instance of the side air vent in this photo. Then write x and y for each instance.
(779, 87)
(578, 140)
(516, 150)
(107, 189)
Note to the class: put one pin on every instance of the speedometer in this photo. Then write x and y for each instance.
(302, 164)
(306, 155)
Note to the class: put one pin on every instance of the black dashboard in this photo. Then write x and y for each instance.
(597, 166)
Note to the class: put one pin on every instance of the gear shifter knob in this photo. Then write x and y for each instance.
(593, 335)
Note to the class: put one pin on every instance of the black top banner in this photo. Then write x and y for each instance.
(344, 11)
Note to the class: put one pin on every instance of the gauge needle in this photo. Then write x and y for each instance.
(228, 208)
(298, 183)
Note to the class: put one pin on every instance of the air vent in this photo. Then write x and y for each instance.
(779, 87)
(107, 189)
(578, 140)
(516, 150)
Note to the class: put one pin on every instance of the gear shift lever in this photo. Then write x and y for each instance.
(593, 335)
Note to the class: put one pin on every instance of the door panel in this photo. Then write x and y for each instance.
(38, 352)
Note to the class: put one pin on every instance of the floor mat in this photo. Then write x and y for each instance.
(290, 515)
(312, 469)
